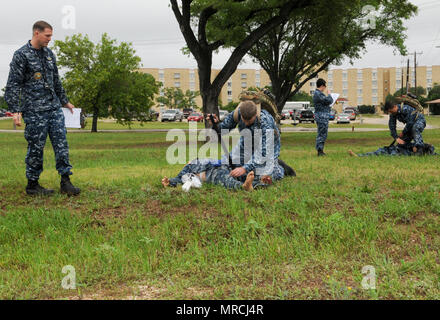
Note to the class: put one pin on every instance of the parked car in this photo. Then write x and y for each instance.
(2, 113)
(195, 116)
(8, 114)
(306, 115)
(172, 115)
(187, 112)
(285, 114)
(223, 114)
(332, 114)
(343, 117)
(353, 111)
(152, 115)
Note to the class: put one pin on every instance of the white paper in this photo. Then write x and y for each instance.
(335, 97)
(72, 120)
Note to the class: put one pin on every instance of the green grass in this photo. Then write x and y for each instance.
(304, 238)
(6, 124)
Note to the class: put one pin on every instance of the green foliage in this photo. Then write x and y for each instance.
(365, 109)
(3, 104)
(420, 91)
(174, 98)
(102, 79)
(390, 98)
(322, 34)
(231, 106)
(434, 94)
(301, 96)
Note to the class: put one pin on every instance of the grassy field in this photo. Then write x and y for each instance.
(304, 238)
(6, 124)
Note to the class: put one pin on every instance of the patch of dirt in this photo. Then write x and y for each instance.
(140, 292)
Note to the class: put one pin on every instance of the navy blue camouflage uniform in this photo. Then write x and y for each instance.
(215, 173)
(262, 157)
(322, 104)
(399, 150)
(34, 89)
(415, 123)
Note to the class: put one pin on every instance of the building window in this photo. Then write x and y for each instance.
(177, 84)
(229, 92)
(244, 84)
(429, 72)
(374, 100)
(312, 84)
(192, 75)
(374, 92)
(312, 92)
(344, 85)
(244, 76)
(360, 100)
(359, 74)
(229, 100)
(257, 84)
(360, 83)
(374, 75)
(374, 84)
(345, 93)
(359, 92)
(177, 76)
(344, 75)
(192, 85)
(330, 76)
(429, 81)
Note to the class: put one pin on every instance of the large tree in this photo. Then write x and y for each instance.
(209, 25)
(309, 41)
(102, 79)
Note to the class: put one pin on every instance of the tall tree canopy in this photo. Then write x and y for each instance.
(102, 79)
(208, 25)
(326, 33)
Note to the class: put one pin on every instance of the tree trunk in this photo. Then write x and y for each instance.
(95, 119)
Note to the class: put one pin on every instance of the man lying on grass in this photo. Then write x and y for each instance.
(214, 172)
(399, 150)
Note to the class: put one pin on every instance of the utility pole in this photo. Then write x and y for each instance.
(415, 69)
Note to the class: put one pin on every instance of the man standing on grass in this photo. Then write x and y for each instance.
(34, 90)
(322, 114)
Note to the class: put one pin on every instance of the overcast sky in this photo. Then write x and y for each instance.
(151, 27)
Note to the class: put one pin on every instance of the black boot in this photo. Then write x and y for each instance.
(288, 171)
(321, 153)
(33, 188)
(67, 187)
